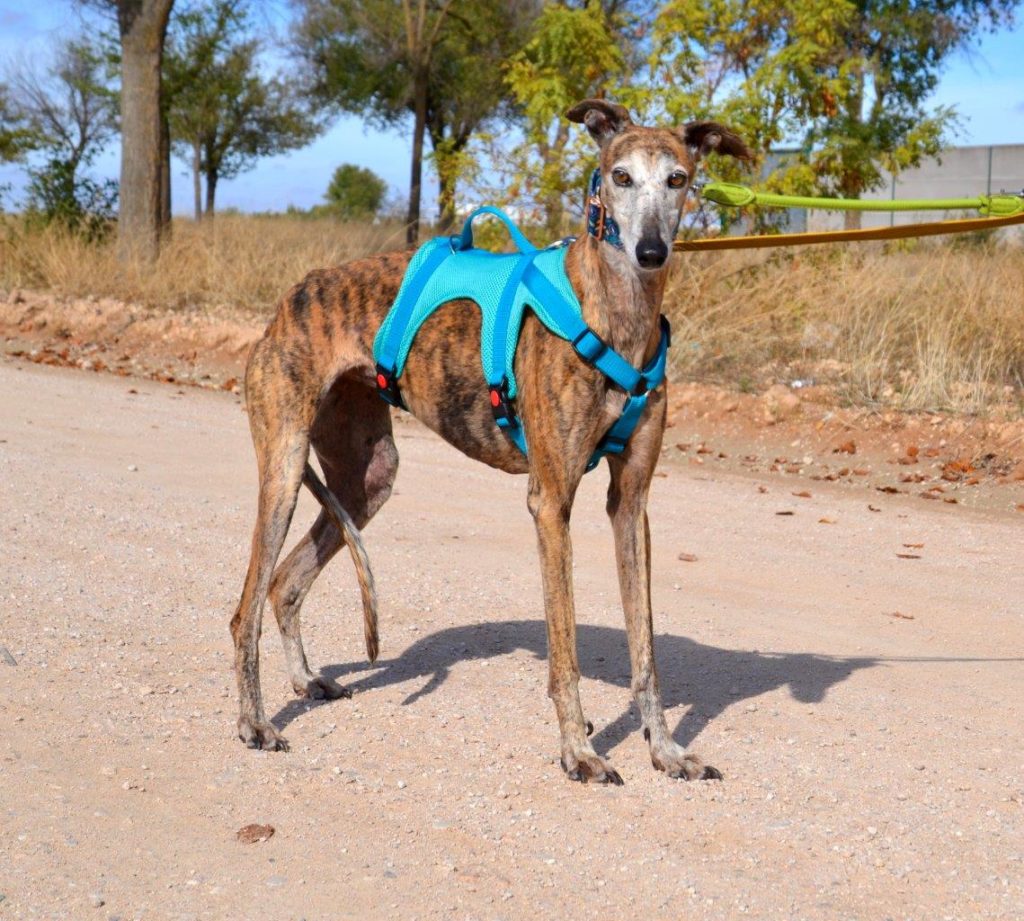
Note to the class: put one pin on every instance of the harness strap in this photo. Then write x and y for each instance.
(466, 237)
(495, 363)
(569, 324)
(500, 396)
(588, 344)
(387, 354)
(617, 437)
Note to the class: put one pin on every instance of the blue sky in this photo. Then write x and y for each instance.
(986, 87)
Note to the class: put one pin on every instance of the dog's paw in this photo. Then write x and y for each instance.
(678, 764)
(318, 687)
(261, 735)
(585, 767)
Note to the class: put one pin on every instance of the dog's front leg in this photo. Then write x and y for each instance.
(627, 507)
(550, 503)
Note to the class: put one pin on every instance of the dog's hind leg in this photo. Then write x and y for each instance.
(627, 506)
(353, 441)
(281, 438)
(291, 582)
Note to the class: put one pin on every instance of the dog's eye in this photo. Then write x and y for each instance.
(677, 180)
(621, 178)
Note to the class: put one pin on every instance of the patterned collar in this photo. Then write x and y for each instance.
(600, 224)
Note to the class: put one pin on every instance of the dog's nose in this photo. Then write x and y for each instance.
(651, 254)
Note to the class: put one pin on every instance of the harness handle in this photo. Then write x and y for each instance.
(465, 239)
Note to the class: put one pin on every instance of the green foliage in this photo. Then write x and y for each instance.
(847, 82)
(440, 63)
(573, 53)
(467, 90)
(16, 138)
(357, 57)
(58, 195)
(221, 110)
(354, 192)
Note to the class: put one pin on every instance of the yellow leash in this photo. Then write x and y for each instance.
(931, 229)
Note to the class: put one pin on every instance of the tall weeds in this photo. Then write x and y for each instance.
(232, 261)
(931, 327)
(937, 326)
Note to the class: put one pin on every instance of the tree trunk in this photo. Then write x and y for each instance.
(851, 187)
(412, 222)
(211, 193)
(165, 176)
(143, 25)
(851, 182)
(197, 182)
(446, 203)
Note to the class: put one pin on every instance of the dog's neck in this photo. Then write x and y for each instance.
(620, 302)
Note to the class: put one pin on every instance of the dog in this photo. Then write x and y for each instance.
(310, 383)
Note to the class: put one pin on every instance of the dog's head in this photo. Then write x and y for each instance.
(645, 173)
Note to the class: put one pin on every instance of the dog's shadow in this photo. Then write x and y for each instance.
(707, 678)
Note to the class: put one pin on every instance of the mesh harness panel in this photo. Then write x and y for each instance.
(503, 286)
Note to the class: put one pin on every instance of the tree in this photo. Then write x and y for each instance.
(377, 58)
(467, 88)
(848, 80)
(69, 109)
(142, 27)
(886, 64)
(223, 115)
(68, 112)
(16, 139)
(355, 192)
(572, 54)
(59, 195)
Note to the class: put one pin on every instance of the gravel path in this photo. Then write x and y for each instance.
(865, 708)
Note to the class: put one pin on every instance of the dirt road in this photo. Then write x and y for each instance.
(860, 683)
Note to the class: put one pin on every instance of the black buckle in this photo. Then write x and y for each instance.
(591, 356)
(612, 444)
(501, 405)
(387, 386)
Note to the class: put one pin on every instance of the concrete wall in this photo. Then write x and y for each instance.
(961, 172)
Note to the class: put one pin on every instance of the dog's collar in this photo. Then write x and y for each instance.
(600, 224)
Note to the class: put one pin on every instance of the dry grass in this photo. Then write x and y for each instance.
(929, 327)
(233, 261)
(926, 327)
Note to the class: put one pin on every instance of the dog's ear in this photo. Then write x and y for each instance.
(602, 118)
(704, 137)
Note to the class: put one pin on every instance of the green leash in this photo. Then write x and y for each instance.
(739, 196)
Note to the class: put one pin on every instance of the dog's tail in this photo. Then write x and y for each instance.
(350, 534)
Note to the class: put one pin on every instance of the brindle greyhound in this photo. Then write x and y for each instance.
(310, 381)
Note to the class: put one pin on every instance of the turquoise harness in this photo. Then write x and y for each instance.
(503, 286)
